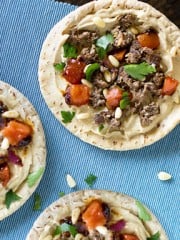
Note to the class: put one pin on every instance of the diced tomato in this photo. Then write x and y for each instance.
(77, 95)
(4, 174)
(93, 215)
(120, 54)
(113, 97)
(169, 86)
(129, 237)
(149, 39)
(16, 131)
(74, 71)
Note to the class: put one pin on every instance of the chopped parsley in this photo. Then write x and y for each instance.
(67, 116)
(125, 101)
(59, 67)
(101, 126)
(156, 236)
(139, 71)
(61, 194)
(65, 227)
(142, 212)
(57, 231)
(104, 41)
(10, 198)
(90, 180)
(70, 51)
(34, 177)
(37, 202)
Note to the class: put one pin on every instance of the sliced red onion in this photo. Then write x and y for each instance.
(118, 226)
(13, 158)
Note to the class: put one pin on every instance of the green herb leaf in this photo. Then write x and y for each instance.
(69, 51)
(101, 52)
(142, 212)
(59, 67)
(139, 71)
(57, 231)
(104, 41)
(10, 198)
(69, 228)
(91, 69)
(101, 127)
(34, 177)
(67, 116)
(61, 194)
(37, 202)
(90, 180)
(124, 103)
(156, 236)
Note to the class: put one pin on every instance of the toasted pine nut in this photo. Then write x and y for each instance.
(75, 215)
(99, 22)
(107, 76)
(113, 61)
(82, 116)
(134, 30)
(118, 113)
(102, 230)
(70, 181)
(86, 82)
(79, 236)
(164, 176)
(5, 144)
(105, 92)
(10, 114)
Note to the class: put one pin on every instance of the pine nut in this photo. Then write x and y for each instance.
(118, 113)
(86, 82)
(79, 236)
(134, 30)
(107, 76)
(99, 22)
(82, 116)
(70, 181)
(10, 114)
(164, 176)
(5, 144)
(105, 92)
(102, 230)
(75, 215)
(113, 61)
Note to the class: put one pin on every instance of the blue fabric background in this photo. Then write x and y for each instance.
(24, 26)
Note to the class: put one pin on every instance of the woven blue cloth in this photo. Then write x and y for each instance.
(24, 26)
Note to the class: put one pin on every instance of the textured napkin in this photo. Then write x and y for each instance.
(24, 26)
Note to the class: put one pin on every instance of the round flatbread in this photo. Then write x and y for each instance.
(109, 73)
(100, 213)
(22, 149)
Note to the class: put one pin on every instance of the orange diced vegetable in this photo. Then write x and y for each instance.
(74, 71)
(93, 215)
(16, 131)
(120, 54)
(77, 94)
(113, 97)
(149, 39)
(4, 174)
(129, 237)
(169, 86)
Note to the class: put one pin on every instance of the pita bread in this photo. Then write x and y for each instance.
(33, 156)
(122, 207)
(133, 136)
